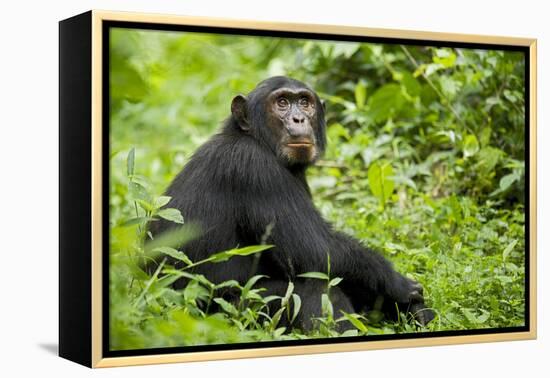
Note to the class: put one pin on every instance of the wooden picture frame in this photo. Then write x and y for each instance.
(84, 188)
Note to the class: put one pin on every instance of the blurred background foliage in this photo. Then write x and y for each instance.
(425, 163)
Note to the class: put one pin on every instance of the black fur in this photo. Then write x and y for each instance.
(236, 187)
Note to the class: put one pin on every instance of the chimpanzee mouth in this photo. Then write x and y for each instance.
(301, 144)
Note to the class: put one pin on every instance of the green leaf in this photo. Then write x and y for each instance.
(130, 162)
(252, 281)
(289, 290)
(360, 94)
(472, 318)
(349, 333)
(277, 317)
(354, 319)
(245, 251)
(347, 49)
(456, 208)
(161, 201)
(219, 257)
(509, 248)
(316, 275)
(138, 273)
(138, 191)
(334, 281)
(487, 159)
(326, 305)
(165, 282)
(175, 237)
(171, 214)
(411, 85)
(126, 81)
(230, 283)
(338, 100)
(297, 305)
(485, 136)
(507, 181)
(323, 182)
(470, 146)
(190, 276)
(254, 294)
(385, 102)
(469, 315)
(279, 332)
(394, 247)
(449, 86)
(250, 250)
(430, 68)
(404, 180)
(511, 96)
(444, 57)
(380, 180)
(174, 253)
(226, 306)
(193, 291)
(336, 130)
(141, 180)
(483, 317)
(145, 205)
(271, 298)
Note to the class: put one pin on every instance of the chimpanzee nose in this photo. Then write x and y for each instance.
(298, 118)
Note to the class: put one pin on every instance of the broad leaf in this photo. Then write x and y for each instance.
(171, 214)
(470, 146)
(380, 180)
(174, 253)
(386, 102)
(161, 201)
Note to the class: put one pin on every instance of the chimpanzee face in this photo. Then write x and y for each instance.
(286, 115)
(292, 118)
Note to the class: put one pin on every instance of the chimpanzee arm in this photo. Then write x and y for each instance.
(368, 271)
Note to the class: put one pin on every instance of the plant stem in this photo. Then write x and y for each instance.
(446, 101)
(150, 282)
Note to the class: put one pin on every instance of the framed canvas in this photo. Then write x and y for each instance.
(234, 189)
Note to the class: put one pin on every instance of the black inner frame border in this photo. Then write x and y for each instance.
(107, 25)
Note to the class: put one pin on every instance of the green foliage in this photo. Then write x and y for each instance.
(425, 163)
(380, 181)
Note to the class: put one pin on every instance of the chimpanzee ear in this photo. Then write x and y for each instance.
(324, 104)
(238, 109)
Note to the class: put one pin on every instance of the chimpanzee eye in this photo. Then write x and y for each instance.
(282, 102)
(304, 101)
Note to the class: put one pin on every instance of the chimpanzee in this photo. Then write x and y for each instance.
(247, 185)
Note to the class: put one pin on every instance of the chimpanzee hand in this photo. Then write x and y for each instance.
(422, 314)
(411, 300)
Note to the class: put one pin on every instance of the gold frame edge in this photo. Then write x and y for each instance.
(533, 188)
(98, 16)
